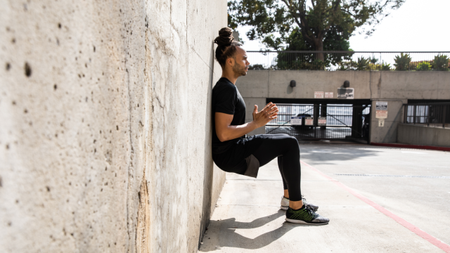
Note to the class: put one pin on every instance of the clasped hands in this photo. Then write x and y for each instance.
(268, 113)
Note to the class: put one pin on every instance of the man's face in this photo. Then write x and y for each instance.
(241, 64)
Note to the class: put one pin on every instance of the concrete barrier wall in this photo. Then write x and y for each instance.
(395, 87)
(423, 135)
(105, 124)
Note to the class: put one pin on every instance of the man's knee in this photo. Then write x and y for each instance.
(292, 142)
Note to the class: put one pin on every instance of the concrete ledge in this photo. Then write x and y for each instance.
(423, 135)
(400, 145)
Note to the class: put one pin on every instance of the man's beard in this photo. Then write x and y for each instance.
(238, 70)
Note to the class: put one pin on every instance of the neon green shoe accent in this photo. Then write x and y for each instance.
(305, 215)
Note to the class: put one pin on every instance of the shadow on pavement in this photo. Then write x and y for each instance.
(230, 237)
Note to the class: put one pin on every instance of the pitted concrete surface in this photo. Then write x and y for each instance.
(105, 124)
(378, 200)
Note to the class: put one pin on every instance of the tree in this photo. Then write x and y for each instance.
(315, 25)
(333, 41)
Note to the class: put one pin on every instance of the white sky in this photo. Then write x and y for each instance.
(419, 25)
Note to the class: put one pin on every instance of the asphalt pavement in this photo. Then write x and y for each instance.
(378, 199)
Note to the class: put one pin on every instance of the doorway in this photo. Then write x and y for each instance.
(322, 119)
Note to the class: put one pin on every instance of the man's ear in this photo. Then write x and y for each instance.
(230, 61)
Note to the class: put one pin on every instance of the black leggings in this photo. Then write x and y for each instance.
(286, 148)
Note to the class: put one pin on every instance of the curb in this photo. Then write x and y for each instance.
(398, 145)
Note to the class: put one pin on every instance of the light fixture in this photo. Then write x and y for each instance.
(292, 83)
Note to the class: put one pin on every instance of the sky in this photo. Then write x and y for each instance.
(418, 25)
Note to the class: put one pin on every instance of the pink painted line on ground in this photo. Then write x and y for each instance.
(399, 220)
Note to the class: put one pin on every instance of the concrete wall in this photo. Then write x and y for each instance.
(423, 135)
(395, 87)
(105, 124)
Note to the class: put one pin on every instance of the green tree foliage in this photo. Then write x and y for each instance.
(363, 63)
(315, 25)
(402, 61)
(423, 66)
(296, 42)
(440, 62)
(385, 66)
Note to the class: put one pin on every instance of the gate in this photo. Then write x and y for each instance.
(322, 119)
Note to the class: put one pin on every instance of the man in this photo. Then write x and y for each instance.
(234, 152)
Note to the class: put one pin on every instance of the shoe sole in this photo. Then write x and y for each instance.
(305, 222)
(285, 208)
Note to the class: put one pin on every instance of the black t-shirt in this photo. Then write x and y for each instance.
(226, 99)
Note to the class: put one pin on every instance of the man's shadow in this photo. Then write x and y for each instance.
(228, 237)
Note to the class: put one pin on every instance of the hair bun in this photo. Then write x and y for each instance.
(225, 37)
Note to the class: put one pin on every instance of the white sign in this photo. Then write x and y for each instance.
(318, 94)
(328, 94)
(322, 121)
(296, 121)
(381, 111)
(381, 106)
(309, 121)
(346, 93)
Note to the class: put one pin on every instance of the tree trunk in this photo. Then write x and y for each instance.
(319, 47)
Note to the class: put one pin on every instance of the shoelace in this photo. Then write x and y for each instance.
(310, 210)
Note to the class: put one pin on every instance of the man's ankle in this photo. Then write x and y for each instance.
(296, 204)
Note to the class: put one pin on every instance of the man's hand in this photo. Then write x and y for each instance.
(225, 131)
(268, 113)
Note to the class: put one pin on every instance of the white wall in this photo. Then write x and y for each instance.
(105, 138)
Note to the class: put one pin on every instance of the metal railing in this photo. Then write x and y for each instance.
(286, 111)
(429, 114)
(338, 121)
(337, 115)
(340, 60)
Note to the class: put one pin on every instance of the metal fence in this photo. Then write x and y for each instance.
(286, 111)
(338, 120)
(431, 114)
(341, 60)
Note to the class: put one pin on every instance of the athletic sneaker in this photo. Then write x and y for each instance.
(285, 204)
(305, 215)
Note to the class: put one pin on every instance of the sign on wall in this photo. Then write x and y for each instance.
(381, 110)
(318, 94)
(346, 93)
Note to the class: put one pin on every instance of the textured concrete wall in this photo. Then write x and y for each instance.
(423, 135)
(105, 124)
(387, 133)
(367, 84)
(395, 87)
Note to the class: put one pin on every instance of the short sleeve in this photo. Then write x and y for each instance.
(225, 100)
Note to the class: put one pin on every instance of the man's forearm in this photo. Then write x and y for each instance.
(233, 132)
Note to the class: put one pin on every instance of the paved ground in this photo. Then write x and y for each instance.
(378, 200)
